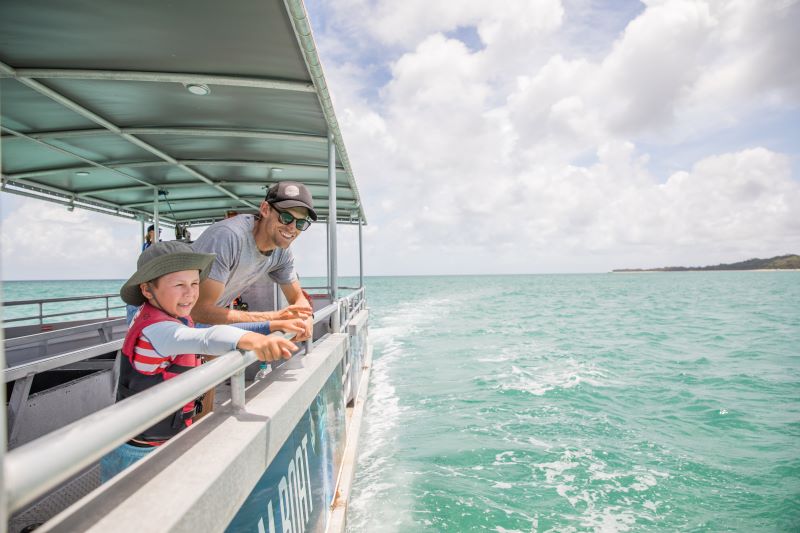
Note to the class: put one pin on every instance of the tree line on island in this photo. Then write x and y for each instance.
(781, 262)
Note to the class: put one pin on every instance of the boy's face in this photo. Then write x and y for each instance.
(174, 293)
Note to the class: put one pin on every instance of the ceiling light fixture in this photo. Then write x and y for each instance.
(198, 88)
(81, 173)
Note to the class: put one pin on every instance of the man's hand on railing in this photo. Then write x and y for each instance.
(302, 314)
(301, 310)
(267, 347)
(308, 329)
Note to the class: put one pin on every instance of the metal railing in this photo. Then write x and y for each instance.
(36, 467)
(41, 302)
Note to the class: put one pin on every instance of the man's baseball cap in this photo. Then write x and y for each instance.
(286, 194)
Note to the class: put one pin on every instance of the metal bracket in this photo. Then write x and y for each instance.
(16, 405)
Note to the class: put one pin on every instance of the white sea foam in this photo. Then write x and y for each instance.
(588, 484)
(538, 443)
(499, 457)
(553, 375)
(503, 355)
(612, 519)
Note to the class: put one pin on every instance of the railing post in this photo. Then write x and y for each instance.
(237, 389)
(108, 311)
(41, 320)
(336, 318)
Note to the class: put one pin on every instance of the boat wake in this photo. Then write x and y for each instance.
(380, 500)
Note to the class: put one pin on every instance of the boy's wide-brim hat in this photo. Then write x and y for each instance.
(163, 258)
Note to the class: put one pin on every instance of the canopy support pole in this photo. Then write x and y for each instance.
(360, 255)
(156, 228)
(332, 268)
(328, 257)
(3, 498)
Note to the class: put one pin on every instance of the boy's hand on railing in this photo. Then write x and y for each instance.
(267, 347)
(294, 325)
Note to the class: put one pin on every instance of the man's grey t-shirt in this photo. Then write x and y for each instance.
(239, 263)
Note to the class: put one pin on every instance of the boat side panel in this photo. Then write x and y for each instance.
(199, 480)
(295, 492)
(56, 407)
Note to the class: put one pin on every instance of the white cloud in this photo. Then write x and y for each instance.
(523, 149)
(44, 241)
(524, 159)
(747, 197)
(407, 23)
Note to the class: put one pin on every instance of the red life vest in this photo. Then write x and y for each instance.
(142, 367)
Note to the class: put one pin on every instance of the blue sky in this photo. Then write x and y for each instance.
(533, 136)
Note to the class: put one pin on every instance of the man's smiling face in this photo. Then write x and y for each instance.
(284, 234)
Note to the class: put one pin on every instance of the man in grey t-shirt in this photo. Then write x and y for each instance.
(250, 248)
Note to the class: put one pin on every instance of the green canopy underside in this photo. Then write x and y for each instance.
(97, 110)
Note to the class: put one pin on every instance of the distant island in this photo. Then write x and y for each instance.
(781, 262)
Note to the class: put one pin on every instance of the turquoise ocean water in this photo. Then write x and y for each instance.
(610, 402)
(570, 403)
(16, 291)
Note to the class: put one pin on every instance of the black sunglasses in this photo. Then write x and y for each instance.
(286, 218)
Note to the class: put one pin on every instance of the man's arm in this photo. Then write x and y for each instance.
(206, 310)
(299, 306)
(294, 293)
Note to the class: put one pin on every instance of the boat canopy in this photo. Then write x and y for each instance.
(192, 107)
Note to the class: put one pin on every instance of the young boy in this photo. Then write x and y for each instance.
(162, 342)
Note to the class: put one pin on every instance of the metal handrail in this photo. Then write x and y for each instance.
(316, 288)
(36, 467)
(40, 302)
(66, 313)
(40, 465)
(62, 299)
(57, 361)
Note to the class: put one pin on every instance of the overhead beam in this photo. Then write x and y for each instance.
(185, 132)
(47, 192)
(195, 217)
(163, 77)
(154, 164)
(66, 203)
(192, 200)
(321, 206)
(168, 186)
(252, 197)
(171, 186)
